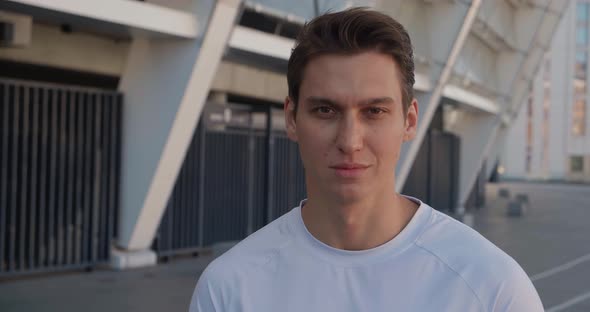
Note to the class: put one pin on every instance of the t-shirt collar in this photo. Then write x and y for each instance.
(353, 257)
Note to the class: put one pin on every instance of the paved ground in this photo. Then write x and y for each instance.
(551, 242)
(166, 287)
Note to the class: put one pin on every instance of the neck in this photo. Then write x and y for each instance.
(357, 225)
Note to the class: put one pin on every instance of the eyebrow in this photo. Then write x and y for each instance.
(327, 101)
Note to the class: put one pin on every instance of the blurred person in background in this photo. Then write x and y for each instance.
(355, 244)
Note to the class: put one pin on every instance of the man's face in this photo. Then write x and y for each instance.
(350, 124)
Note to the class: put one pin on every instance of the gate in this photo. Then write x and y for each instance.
(240, 173)
(59, 176)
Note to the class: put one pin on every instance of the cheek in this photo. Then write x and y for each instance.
(386, 142)
(314, 135)
(314, 142)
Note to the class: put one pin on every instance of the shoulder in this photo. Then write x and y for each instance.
(256, 248)
(253, 252)
(495, 278)
(458, 245)
(224, 276)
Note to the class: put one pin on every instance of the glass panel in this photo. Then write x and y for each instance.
(289, 30)
(579, 117)
(579, 88)
(581, 63)
(582, 11)
(576, 164)
(581, 56)
(261, 22)
(582, 36)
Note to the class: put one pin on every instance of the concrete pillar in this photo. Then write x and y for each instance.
(165, 83)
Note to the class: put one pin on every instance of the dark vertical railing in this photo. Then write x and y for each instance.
(251, 179)
(270, 166)
(3, 172)
(105, 153)
(13, 182)
(59, 152)
(52, 177)
(200, 145)
(234, 180)
(41, 182)
(116, 148)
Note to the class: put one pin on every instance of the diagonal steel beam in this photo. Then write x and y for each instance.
(407, 162)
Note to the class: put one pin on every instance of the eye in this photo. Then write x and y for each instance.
(375, 111)
(324, 111)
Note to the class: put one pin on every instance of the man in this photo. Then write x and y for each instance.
(354, 244)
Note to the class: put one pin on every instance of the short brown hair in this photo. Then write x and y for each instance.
(352, 31)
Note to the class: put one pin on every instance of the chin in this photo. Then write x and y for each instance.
(349, 192)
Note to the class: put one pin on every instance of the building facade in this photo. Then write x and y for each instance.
(549, 139)
(189, 93)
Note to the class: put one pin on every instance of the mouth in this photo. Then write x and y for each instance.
(349, 170)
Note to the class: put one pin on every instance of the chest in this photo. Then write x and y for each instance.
(327, 288)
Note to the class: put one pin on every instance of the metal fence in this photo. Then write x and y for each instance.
(59, 176)
(237, 176)
(434, 177)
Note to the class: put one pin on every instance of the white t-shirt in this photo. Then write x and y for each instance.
(434, 264)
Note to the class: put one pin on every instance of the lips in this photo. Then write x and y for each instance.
(349, 170)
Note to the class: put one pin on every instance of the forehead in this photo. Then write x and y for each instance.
(361, 75)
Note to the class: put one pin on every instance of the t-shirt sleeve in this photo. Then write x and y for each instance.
(205, 296)
(518, 294)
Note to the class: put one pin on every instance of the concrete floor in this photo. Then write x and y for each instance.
(166, 287)
(551, 241)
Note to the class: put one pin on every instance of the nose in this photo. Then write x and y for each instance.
(350, 135)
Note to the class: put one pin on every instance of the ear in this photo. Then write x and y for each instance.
(290, 124)
(411, 124)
